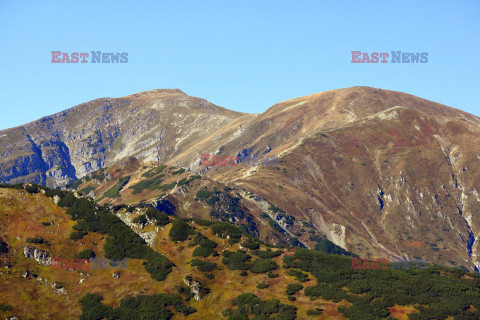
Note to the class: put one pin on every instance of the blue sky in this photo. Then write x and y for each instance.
(242, 55)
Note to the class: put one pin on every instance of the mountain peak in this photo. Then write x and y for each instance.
(156, 92)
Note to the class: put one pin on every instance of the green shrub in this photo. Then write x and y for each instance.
(210, 276)
(251, 244)
(141, 219)
(203, 266)
(272, 275)
(86, 254)
(5, 307)
(180, 230)
(262, 285)
(203, 241)
(249, 305)
(292, 288)
(236, 260)
(179, 171)
(161, 218)
(224, 229)
(87, 190)
(302, 277)
(202, 252)
(113, 192)
(155, 306)
(35, 240)
(154, 171)
(268, 254)
(212, 200)
(314, 312)
(77, 235)
(263, 266)
(204, 194)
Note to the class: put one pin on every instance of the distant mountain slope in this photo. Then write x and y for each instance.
(152, 125)
(378, 172)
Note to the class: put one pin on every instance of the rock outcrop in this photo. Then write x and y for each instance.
(40, 256)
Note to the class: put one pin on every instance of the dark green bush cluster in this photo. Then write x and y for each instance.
(225, 229)
(315, 312)
(236, 260)
(263, 266)
(301, 276)
(326, 292)
(6, 307)
(275, 226)
(239, 260)
(212, 200)
(251, 244)
(122, 242)
(86, 254)
(87, 190)
(183, 181)
(275, 208)
(204, 194)
(77, 235)
(153, 306)
(268, 254)
(154, 171)
(206, 246)
(437, 292)
(180, 230)
(150, 184)
(292, 288)
(262, 285)
(179, 171)
(289, 220)
(113, 192)
(160, 218)
(203, 266)
(35, 240)
(249, 305)
(33, 188)
(203, 223)
(142, 219)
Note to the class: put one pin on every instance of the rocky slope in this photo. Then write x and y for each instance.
(65, 257)
(153, 125)
(378, 172)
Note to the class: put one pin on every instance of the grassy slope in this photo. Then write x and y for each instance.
(21, 217)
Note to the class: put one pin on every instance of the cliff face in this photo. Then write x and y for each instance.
(380, 173)
(152, 125)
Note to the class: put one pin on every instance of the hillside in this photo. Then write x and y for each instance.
(194, 269)
(379, 173)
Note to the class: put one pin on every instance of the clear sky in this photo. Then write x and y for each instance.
(242, 55)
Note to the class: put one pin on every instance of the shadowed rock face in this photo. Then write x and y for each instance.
(380, 173)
